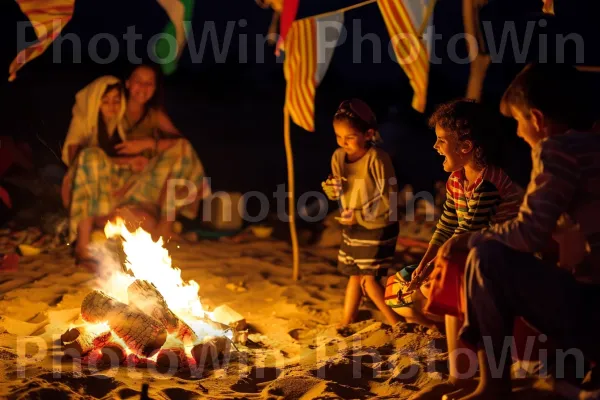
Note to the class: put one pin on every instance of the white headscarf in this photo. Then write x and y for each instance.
(83, 130)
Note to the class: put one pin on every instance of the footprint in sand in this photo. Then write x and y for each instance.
(265, 275)
(181, 394)
(97, 386)
(255, 379)
(127, 393)
(318, 296)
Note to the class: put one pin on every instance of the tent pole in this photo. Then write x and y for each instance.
(292, 196)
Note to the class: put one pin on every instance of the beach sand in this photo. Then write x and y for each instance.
(294, 350)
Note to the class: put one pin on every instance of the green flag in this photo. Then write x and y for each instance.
(167, 50)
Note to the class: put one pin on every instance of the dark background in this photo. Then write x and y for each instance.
(232, 111)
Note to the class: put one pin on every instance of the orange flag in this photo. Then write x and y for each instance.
(48, 18)
(404, 20)
(307, 57)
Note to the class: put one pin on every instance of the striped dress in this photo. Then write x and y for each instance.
(368, 246)
(493, 198)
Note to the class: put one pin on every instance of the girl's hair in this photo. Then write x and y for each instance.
(119, 86)
(360, 116)
(472, 121)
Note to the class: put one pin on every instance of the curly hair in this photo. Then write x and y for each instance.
(472, 121)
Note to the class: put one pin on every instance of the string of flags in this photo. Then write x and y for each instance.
(405, 21)
(49, 17)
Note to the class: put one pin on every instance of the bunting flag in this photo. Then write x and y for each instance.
(307, 56)
(404, 21)
(178, 11)
(288, 15)
(48, 18)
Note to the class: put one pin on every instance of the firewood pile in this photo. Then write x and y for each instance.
(147, 329)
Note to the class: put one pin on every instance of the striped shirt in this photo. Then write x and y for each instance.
(492, 198)
(565, 185)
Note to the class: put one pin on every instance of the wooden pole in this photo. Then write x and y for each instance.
(292, 196)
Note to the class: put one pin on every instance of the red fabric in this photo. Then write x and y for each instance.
(447, 298)
(447, 286)
(9, 263)
(5, 198)
(288, 16)
(13, 153)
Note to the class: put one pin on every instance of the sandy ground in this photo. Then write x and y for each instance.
(294, 350)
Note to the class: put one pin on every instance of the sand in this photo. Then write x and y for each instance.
(294, 350)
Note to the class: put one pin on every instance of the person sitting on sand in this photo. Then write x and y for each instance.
(363, 180)
(504, 278)
(478, 193)
(121, 155)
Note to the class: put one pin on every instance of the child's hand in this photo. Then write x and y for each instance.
(332, 187)
(347, 217)
(416, 278)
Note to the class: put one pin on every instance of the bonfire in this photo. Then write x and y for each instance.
(143, 310)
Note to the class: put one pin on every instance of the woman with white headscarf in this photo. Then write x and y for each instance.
(115, 169)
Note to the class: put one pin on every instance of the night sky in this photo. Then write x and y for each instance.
(232, 111)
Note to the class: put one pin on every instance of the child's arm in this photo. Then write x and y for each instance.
(332, 186)
(448, 222)
(444, 230)
(378, 204)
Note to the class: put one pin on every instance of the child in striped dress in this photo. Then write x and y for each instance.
(363, 181)
(478, 194)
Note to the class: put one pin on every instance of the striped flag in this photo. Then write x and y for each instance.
(307, 57)
(48, 18)
(404, 21)
(178, 11)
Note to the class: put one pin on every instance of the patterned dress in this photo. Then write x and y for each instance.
(99, 185)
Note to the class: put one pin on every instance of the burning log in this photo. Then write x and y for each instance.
(172, 354)
(77, 342)
(210, 350)
(147, 298)
(113, 351)
(186, 334)
(141, 333)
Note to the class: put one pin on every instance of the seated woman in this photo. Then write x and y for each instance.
(478, 193)
(122, 162)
